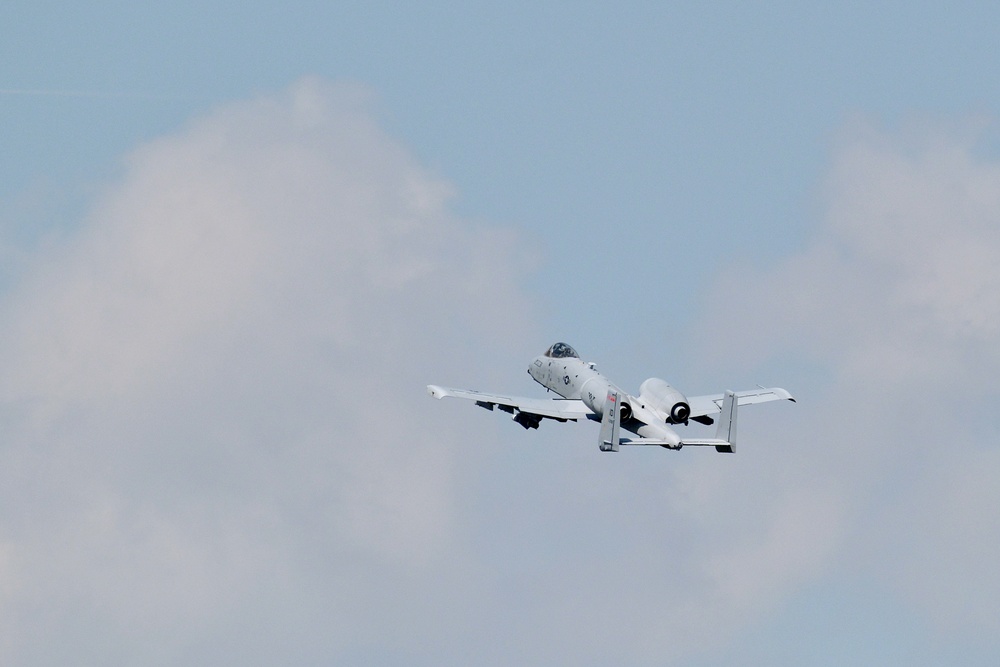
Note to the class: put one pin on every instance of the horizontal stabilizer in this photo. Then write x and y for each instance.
(658, 442)
(725, 436)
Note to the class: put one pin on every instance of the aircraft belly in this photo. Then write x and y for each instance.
(658, 432)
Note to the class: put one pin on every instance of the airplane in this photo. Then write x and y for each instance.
(586, 394)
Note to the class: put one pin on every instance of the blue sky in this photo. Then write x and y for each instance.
(238, 239)
(680, 134)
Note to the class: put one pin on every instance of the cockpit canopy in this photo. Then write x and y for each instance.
(561, 351)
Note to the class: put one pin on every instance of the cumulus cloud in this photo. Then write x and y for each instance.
(217, 446)
(904, 266)
(896, 299)
(212, 392)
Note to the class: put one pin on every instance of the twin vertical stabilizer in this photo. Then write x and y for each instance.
(724, 440)
(725, 435)
(611, 423)
(727, 424)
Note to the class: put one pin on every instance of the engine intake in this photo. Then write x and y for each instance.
(659, 395)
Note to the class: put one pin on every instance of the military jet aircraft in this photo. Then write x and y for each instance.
(586, 394)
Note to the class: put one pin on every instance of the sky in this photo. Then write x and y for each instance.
(238, 239)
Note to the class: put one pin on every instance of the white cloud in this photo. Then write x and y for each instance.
(213, 394)
(905, 265)
(897, 297)
(217, 447)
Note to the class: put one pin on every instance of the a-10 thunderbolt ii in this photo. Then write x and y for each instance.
(586, 394)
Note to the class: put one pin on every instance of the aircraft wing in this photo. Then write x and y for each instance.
(702, 406)
(561, 409)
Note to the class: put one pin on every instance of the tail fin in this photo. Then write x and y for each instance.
(727, 424)
(610, 423)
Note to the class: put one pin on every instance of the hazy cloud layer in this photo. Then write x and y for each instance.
(217, 447)
(896, 300)
(213, 396)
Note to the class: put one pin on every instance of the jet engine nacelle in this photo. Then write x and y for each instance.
(657, 394)
(594, 393)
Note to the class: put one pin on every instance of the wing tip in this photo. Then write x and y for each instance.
(783, 393)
